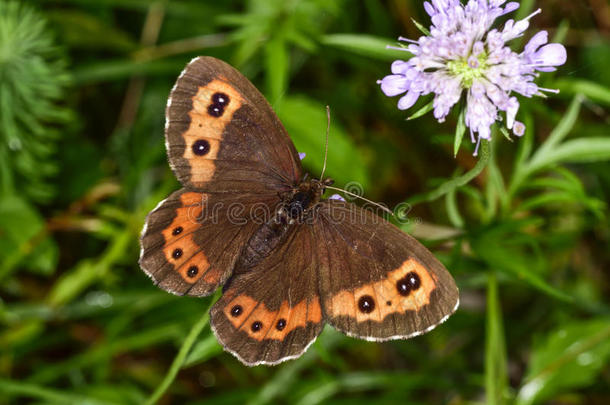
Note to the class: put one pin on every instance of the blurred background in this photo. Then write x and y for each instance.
(524, 230)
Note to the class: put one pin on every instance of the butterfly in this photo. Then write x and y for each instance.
(250, 220)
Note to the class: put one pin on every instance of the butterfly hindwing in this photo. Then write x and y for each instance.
(272, 312)
(378, 283)
(222, 135)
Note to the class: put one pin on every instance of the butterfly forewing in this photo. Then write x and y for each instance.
(222, 135)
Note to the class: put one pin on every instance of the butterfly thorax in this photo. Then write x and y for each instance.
(300, 202)
(297, 206)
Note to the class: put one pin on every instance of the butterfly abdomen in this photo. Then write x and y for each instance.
(261, 244)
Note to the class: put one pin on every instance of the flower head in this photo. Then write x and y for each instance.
(463, 53)
(336, 197)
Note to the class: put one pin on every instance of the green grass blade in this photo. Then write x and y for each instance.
(181, 357)
(365, 45)
(20, 389)
(496, 379)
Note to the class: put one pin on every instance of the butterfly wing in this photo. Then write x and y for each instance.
(192, 240)
(222, 135)
(377, 282)
(272, 312)
(234, 157)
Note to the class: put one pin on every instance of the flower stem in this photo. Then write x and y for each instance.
(459, 181)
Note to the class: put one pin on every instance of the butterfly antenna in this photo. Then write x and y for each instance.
(386, 209)
(326, 147)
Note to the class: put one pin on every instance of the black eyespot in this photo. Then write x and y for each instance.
(216, 110)
(201, 147)
(177, 230)
(408, 283)
(413, 280)
(366, 304)
(220, 99)
(388, 303)
(256, 326)
(192, 271)
(281, 324)
(177, 253)
(402, 286)
(236, 310)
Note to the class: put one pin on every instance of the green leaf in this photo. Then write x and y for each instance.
(506, 247)
(458, 181)
(552, 151)
(181, 357)
(88, 271)
(123, 68)
(85, 31)
(305, 120)
(44, 256)
(365, 45)
(453, 212)
(568, 358)
(33, 83)
(16, 388)
(420, 27)
(24, 237)
(547, 199)
(578, 151)
(203, 350)
(277, 66)
(496, 379)
(422, 111)
(592, 90)
(525, 145)
(564, 126)
(460, 130)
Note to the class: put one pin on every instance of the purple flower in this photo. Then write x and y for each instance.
(302, 155)
(336, 197)
(463, 52)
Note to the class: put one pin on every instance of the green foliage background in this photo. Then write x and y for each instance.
(523, 228)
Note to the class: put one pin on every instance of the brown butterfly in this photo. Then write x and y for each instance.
(249, 219)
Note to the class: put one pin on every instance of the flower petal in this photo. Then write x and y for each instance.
(546, 69)
(536, 42)
(511, 112)
(484, 132)
(429, 9)
(510, 7)
(399, 67)
(408, 100)
(394, 85)
(302, 155)
(551, 55)
(519, 128)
